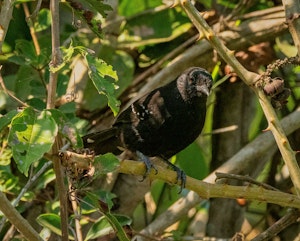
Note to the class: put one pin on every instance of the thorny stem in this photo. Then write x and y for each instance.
(249, 78)
(210, 190)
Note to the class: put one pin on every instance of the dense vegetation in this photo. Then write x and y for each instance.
(69, 67)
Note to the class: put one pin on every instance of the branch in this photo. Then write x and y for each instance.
(291, 217)
(17, 220)
(292, 13)
(7, 7)
(208, 190)
(250, 79)
(55, 61)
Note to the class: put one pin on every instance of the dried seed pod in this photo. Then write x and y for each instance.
(283, 95)
(88, 15)
(274, 87)
(278, 104)
(279, 100)
(76, 5)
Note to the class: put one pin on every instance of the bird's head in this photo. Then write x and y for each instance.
(194, 82)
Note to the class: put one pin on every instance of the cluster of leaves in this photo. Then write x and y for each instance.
(28, 133)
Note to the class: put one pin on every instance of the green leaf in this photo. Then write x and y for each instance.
(31, 136)
(100, 6)
(106, 163)
(103, 226)
(52, 222)
(8, 182)
(100, 228)
(43, 20)
(104, 77)
(192, 161)
(131, 7)
(6, 119)
(45, 179)
(26, 55)
(26, 48)
(285, 47)
(99, 195)
(124, 65)
(5, 157)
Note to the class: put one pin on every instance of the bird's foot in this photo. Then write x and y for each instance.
(148, 164)
(180, 174)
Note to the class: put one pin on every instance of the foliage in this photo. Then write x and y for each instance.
(103, 52)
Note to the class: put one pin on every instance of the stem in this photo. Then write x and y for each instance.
(249, 78)
(55, 61)
(7, 7)
(73, 200)
(17, 220)
(292, 14)
(208, 190)
(31, 28)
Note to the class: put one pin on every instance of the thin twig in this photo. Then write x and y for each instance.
(31, 28)
(73, 200)
(291, 217)
(10, 93)
(37, 9)
(243, 178)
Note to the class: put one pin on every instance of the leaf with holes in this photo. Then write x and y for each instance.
(30, 136)
(104, 79)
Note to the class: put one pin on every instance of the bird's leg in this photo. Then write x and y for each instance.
(180, 174)
(147, 162)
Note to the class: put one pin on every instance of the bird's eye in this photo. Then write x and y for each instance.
(193, 78)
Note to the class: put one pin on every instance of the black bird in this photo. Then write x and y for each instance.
(160, 123)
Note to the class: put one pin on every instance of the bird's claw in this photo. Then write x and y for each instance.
(180, 176)
(148, 164)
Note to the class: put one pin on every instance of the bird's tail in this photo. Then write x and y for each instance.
(103, 141)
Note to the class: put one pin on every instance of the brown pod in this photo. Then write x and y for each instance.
(274, 87)
(283, 95)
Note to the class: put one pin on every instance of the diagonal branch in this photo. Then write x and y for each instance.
(17, 220)
(249, 78)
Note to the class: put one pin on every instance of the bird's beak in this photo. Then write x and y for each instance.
(203, 89)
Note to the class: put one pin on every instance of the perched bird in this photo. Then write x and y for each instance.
(160, 123)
